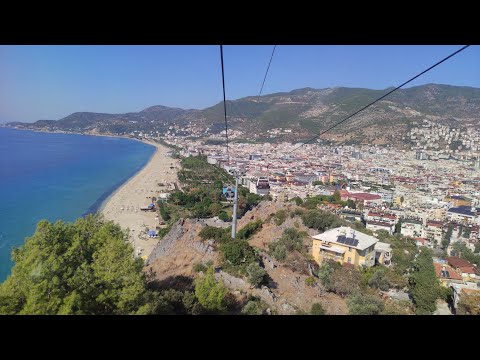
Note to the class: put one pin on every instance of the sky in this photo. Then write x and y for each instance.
(51, 82)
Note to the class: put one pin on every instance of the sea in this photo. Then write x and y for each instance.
(58, 177)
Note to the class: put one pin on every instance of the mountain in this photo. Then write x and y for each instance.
(305, 111)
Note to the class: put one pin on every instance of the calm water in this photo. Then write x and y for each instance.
(57, 176)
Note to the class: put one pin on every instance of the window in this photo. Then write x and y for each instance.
(349, 249)
(349, 260)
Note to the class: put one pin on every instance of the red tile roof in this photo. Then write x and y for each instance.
(451, 272)
(386, 216)
(365, 196)
(435, 223)
(469, 270)
(457, 262)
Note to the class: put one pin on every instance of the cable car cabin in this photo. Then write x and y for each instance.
(229, 192)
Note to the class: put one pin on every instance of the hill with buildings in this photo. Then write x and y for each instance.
(295, 115)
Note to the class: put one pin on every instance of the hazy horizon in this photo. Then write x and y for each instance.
(52, 82)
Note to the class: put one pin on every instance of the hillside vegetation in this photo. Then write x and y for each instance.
(307, 111)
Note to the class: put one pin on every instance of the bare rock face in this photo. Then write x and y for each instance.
(268, 261)
(267, 295)
(231, 281)
(179, 250)
(168, 242)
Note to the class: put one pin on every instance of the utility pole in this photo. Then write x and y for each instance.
(235, 203)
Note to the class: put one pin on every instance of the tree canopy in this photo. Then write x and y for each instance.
(424, 286)
(211, 294)
(85, 267)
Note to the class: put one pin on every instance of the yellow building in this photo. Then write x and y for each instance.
(457, 200)
(346, 245)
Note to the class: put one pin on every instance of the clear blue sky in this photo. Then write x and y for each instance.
(51, 82)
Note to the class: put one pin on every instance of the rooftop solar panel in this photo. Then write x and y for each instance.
(342, 239)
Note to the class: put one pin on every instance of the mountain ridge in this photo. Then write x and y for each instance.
(305, 111)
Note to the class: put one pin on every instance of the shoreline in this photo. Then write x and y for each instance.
(99, 208)
(122, 204)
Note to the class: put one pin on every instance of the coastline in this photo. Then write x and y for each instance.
(116, 188)
(123, 202)
(124, 205)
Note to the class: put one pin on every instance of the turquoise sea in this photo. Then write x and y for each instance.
(57, 177)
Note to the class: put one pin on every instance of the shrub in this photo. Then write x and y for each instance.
(321, 220)
(469, 305)
(297, 200)
(310, 281)
(252, 308)
(292, 239)
(278, 251)
(199, 267)
(298, 212)
(280, 217)
(346, 281)
(222, 215)
(379, 280)
(364, 304)
(339, 279)
(317, 309)
(219, 235)
(237, 252)
(250, 229)
(255, 273)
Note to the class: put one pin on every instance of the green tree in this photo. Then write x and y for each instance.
(210, 294)
(321, 220)
(222, 215)
(398, 227)
(85, 267)
(379, 280)
(256, 274)
(364, 304)
(336, 197)
(237, 252)
(351, 204)
(424, 285)
(477, 247)
(447, 237)
(163, 211)
(317, 309)
(465, 253)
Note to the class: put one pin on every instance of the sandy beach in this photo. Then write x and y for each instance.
(123, 206)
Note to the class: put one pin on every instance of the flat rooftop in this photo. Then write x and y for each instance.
(347, 236)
